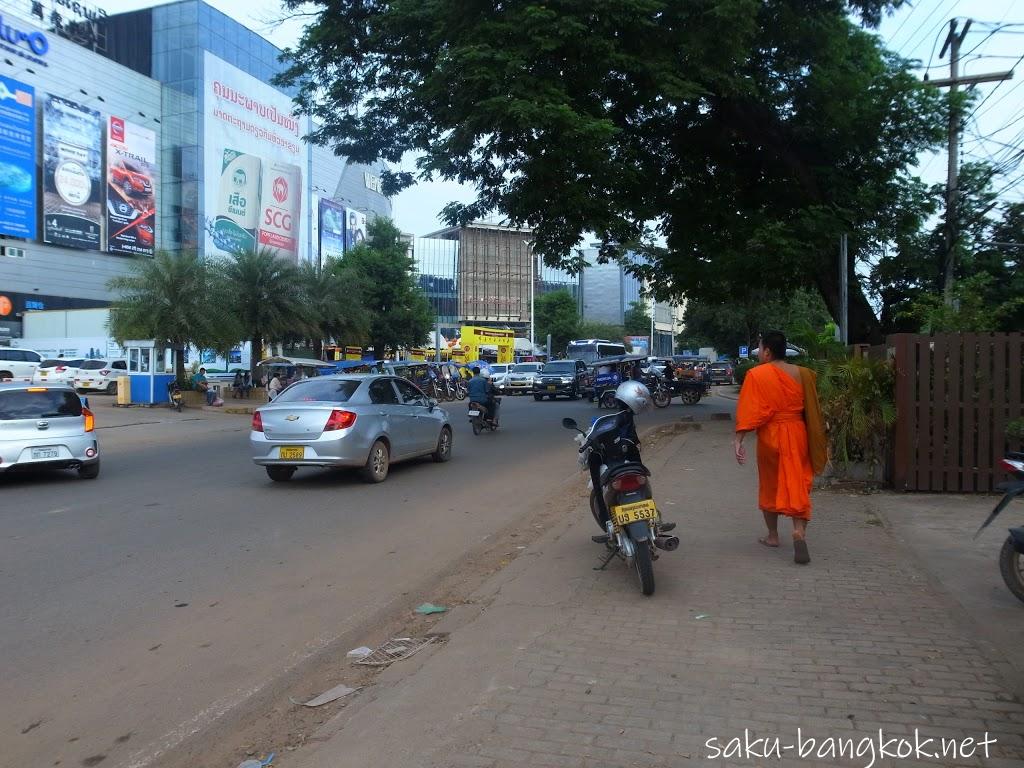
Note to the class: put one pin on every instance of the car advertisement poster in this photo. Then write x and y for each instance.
(255, 166)
(72, 175)
(355, 230)
(17, 159)
(131, 188)
(332, 230)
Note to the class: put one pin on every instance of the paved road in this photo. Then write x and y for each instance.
(140, 608)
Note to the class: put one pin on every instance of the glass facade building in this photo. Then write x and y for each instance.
(169, 43)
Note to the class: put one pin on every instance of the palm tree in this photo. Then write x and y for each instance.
(333, 301)
(263, 295)
(164, 298)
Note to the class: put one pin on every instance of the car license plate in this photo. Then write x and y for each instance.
(634, 513)
(45, 453)
(292, 452)
(474, 413)
(552, 388)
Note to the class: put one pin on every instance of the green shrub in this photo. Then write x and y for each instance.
(857, 402)
(1015, 429)
(740, 371)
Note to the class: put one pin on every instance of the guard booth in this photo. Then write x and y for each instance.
(150, 370)
(473, 338)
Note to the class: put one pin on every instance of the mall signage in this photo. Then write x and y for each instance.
(28, 44)
(17, 159)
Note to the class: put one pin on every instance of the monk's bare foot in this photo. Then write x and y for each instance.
(769, 541)
(801, 554)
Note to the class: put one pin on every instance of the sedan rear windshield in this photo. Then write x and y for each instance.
(93, 365)
(58, 363)
(319, 390)
(38, 404)
(560, 368)
(720, 366)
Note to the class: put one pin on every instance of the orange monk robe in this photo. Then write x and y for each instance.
(772, 402)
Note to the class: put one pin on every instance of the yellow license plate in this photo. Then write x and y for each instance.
(551, 388)
(634, 513)
(292, 452)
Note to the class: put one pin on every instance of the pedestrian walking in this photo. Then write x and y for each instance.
(780, 401)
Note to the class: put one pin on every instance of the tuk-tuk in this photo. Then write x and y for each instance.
(608, 373)
(294, 368)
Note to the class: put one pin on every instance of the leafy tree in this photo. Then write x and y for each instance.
(397, 312)
(748, 134)
(332, 295)
(556, 314)
(637, 319)
(166, 298)
(262, 298)
(589, 329)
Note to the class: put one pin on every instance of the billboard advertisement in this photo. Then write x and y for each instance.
(72, 175)
(332, 230)
(355, 229)
(131, 188)
(17, 159)
(255, 166)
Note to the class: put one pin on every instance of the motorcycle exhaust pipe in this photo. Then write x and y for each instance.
(668, 543)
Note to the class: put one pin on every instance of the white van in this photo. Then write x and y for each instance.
(18, 364)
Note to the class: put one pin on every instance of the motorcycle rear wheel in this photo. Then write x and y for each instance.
(1011, 566)
(644, 567)
(477, 428)
(661, 399)
(608, 399)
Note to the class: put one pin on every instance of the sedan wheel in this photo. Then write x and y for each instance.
(377, 463)
(112, 388)
(280, 474)
(444, 446)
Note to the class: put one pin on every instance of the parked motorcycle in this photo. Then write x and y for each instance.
(478, 418)
(661, 393)
(1011, 557)
(174, 396)
(460, 389)
(621, 499)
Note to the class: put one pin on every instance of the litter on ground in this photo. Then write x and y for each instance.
(428, 608)
(335, 693)
(396, 649)
(359, 653)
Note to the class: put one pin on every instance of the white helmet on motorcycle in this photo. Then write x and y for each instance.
(634, 395)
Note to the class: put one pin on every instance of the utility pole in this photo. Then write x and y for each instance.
(953, 42)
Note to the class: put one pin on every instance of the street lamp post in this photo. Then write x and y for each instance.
(533, 267)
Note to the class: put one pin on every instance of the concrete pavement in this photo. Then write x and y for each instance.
(553, 664)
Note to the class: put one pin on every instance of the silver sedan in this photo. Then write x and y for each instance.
(355, 420)
(45, 426)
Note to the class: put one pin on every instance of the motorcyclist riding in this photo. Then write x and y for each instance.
(480, 390)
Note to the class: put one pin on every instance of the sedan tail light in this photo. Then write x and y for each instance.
(339, 420)
(629, 482)
(104, 373)
(60, 369)
(90, 420)
(257, 422)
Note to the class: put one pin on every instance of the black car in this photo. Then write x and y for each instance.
(568, 378)
(721, 373)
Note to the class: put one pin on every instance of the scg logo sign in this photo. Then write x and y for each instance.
(278, 219)
(36, 42)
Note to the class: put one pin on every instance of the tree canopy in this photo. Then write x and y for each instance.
(556, 314)
(737, 139)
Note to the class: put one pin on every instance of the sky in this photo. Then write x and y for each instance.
(994, 132)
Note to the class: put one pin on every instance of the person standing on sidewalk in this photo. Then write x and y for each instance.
(780, 401)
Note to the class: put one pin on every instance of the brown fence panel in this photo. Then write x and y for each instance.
(955, 395)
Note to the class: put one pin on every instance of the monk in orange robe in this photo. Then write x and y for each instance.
(772, 403)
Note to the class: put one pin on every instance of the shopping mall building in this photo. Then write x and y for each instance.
(153, 130)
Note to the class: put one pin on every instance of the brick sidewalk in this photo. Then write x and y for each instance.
(558, 665)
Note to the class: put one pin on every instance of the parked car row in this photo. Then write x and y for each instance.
(26, 365)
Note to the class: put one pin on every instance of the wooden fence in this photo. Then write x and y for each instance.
(955, 394)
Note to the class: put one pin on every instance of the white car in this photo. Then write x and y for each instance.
(499, 373)
(18, 364)
(57, 371)
(520, 378)
(100, 375)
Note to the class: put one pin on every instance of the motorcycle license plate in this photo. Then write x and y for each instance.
(474, 413)
(552, 388)
(635, 512)
(292, 452)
